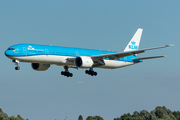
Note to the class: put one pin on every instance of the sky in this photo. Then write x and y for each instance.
(102, 24)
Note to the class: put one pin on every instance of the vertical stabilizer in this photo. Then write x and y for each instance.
(134, 43)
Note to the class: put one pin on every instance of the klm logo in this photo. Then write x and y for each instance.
(133, 45)
(30, 48)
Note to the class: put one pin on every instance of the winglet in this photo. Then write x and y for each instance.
(169, 45)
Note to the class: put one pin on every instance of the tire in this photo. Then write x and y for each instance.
(17, 68)
(95, 73)
(86, 71)
(62, 73)
(90, 72)
(71, 75)
(65, 73)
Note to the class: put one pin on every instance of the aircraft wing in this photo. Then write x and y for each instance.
(123, 54)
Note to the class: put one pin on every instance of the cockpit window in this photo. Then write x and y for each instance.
(11, 48)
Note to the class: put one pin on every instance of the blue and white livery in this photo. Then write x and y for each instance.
(42, 56)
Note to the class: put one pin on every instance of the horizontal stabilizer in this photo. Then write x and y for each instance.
(127, 53)
(148, 58)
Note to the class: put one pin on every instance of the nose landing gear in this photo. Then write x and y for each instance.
(66, 72)
(17, 68)
(16, 63)
(91, 72)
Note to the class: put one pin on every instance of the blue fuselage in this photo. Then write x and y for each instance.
(24, 50)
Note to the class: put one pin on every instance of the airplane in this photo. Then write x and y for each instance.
(42, 56)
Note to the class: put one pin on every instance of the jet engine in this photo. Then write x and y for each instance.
(84, 62)
(40, 66)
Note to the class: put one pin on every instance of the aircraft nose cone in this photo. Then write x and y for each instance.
(7, 53)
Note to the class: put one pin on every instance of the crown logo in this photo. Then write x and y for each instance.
(133, 43)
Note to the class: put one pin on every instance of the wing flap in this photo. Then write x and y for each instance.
(70, 59)
(145, 58)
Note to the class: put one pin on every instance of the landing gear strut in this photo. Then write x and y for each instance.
(91, 72)
(16, 63)
(66, 72)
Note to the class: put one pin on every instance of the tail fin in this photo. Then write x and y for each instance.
(134, 43)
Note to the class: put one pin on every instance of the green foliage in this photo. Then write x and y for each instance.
(94, 118)
(4, 116)
(97, 118)
(176, 114)
(20, 118)
(164, 113)
(145, 114)
(135, 114)
(89, 118)
(160, 113)
(152, 115)
(80, 117)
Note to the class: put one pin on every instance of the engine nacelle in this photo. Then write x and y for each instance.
(40, 66)
(84, 62)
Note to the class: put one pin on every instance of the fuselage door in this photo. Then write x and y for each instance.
(77, 53)
(46, 52)
(25, 50)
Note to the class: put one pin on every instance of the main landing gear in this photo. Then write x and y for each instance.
(91, 72)
(16, 63)
(66, 72)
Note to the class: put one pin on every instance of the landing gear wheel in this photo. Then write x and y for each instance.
(66, 72)
(95, 73)
(91, 72)
(17, 68)
(62, 73)
(70, 74)
(86, 71)
(16, 63)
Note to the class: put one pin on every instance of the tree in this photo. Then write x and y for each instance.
(153, 115)
(159, 112)
(135, 114)
(176, 114)
(2, 114)
(89, 118)
(97, 118)
(13, 118)
(80, 117)
(145, 114)
(18, 116)
(94, 118)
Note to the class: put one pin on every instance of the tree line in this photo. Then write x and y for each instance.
(4, 116)
(159, 113)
